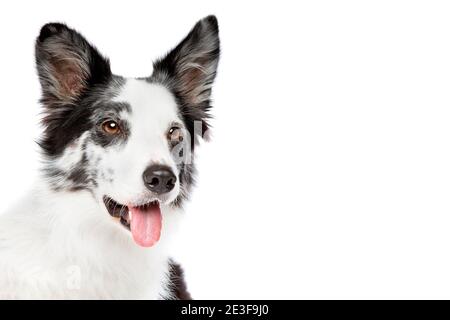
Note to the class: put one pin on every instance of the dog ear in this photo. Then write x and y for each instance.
(191, 67)
(67, 64)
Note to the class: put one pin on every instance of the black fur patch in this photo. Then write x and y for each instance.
(177, 283)
(70, 70)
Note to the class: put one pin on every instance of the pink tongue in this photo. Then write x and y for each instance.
(146, 225)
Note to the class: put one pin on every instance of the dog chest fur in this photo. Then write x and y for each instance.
(63, 247)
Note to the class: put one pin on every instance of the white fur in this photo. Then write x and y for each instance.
(60, 244)
(154, 110)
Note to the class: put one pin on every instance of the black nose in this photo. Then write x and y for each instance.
(159, 179)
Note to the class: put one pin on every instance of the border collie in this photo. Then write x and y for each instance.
(117, 167)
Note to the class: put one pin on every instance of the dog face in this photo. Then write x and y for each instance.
(129, 142)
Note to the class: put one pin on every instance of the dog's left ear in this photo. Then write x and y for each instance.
(190, 68)
(67, 65)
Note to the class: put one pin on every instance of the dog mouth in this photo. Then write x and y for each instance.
(144, 221)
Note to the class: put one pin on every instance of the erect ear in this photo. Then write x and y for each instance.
(67, 64)
(191, 66)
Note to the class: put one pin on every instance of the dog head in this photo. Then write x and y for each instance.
(127, 141)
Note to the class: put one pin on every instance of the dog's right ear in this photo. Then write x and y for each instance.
(68, 65)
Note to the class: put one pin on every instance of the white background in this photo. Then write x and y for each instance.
(329, 172)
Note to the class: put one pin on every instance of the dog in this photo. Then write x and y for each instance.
(117, 167)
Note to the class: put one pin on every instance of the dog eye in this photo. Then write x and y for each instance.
(111, 127)
(175, 135)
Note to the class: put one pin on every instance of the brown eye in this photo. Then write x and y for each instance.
(175, 135)
(111, 127)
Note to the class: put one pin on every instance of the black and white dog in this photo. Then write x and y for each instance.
(117, 166)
